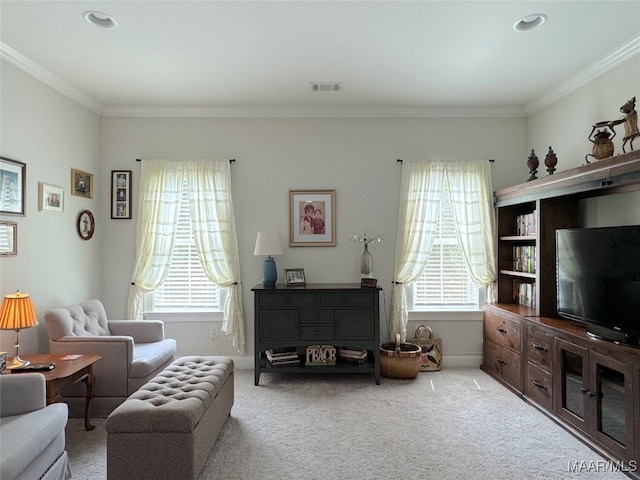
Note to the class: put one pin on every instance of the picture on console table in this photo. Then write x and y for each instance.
(312, 218)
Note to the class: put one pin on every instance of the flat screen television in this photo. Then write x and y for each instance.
(598, 280)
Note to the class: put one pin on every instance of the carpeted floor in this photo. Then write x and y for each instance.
(452, 424)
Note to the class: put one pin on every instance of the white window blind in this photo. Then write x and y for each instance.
(186, 287)
(445, 283)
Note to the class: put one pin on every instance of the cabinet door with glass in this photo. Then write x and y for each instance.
(571, 384)
(595, 394)
(612, 385)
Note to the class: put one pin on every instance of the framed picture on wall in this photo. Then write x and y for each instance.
(81, 183)
(12, 186)
(312, 218)
(8, 239)
(120, 194)
(50, 198)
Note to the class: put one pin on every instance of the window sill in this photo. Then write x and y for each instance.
(185, 316)
(446, 315)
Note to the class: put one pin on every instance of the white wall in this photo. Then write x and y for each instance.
(356, 157)
(51, 134)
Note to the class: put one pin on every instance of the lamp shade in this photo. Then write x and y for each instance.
(268, 243)
(17, 312)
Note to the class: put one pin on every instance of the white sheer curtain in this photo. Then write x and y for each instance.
(420, 194)
(472, 201)
(214, 233)
(160, 191)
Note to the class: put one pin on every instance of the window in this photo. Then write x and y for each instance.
(186, 288)
(445, 283)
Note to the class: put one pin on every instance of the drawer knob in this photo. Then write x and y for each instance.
(539, 347)
(538, 384)
(501, 330)
(501, 361)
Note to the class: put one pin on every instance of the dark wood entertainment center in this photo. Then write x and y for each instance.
(588, 385)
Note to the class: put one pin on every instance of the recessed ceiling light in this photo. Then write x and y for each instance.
(99, 19)
(530, 22)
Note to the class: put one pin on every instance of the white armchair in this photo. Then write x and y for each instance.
(133, 352)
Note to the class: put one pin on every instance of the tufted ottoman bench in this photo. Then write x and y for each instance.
(168, 427)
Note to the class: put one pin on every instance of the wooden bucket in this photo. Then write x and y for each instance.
(400, 360)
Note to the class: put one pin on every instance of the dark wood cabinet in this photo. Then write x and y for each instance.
(339, 315)
(590, 386)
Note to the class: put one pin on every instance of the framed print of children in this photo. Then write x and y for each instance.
(312, 218)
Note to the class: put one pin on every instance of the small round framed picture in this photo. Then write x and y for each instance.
(86, 225)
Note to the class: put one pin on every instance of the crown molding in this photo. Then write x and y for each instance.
(622, 54)
(49, 78)
(313, 112)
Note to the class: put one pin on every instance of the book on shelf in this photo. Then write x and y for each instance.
(524, 293)
(356, 355)
(526, 224)
(283, 361)
(524, 259)
(282, 355)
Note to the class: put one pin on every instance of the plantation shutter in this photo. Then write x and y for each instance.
(445, 282)
(186, 286)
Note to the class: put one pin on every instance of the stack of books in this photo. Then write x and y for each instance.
(355, 355)
(282, 356)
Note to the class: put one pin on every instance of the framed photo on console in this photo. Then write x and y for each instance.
(121, 194)
(312, 218)
(294, 276)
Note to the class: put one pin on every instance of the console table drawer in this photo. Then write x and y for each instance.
(317, 333)
(345, 300)
(316, 316)
(287, 300)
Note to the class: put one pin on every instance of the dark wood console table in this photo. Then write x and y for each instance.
(340, 315)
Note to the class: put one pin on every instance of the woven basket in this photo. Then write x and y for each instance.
(400, 360)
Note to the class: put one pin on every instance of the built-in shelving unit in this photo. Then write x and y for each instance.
(590, 386)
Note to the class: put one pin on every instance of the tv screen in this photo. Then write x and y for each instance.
(598, 280)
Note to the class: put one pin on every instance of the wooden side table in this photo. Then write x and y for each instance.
(68, 372)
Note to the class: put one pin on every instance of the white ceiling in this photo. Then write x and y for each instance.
(242, 57)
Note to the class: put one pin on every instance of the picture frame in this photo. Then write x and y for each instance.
(318, 230)
(81, 183)
(369, 282)
(8, 239)
(13, 181)
(121, 194)
(86, 225)
(294, 277)
(50, 198)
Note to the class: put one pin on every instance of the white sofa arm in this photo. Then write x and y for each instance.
(118, 347)
(142, 331)
(21, 393)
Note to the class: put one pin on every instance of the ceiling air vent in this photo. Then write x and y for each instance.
(325, 87)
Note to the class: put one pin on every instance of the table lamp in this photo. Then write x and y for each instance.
(269, 244)
(17, 312)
